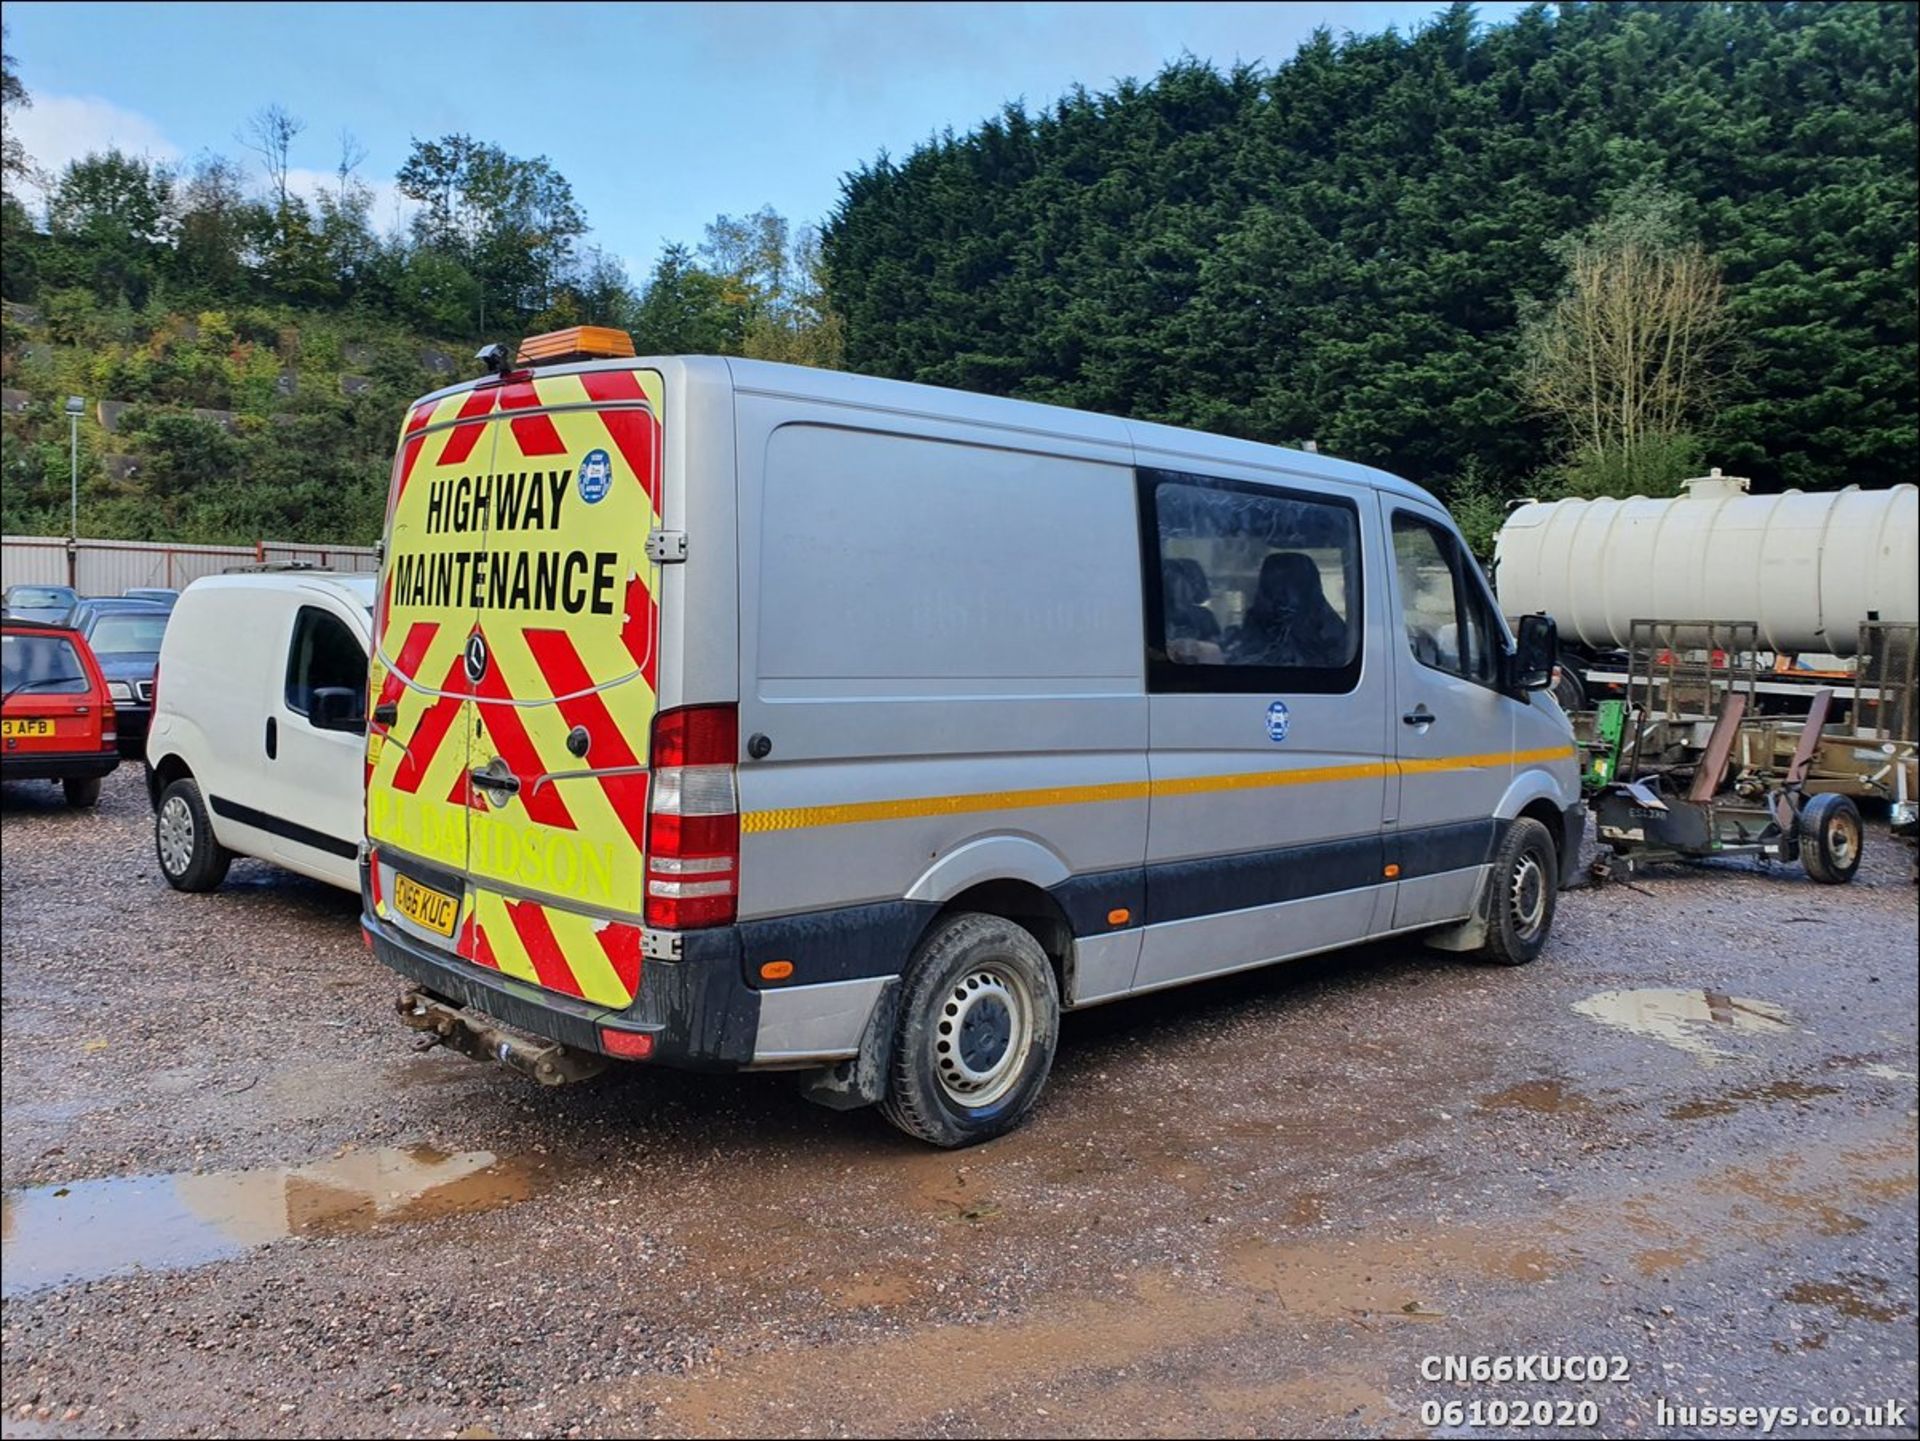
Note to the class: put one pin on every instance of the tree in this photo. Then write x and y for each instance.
(1337, 247)
(511, 223)
(684, 310)
(775, 277)
(17, 239)
(269, 133)
(217, 229)
(1627, 359)
(14, 161)
(112, 210)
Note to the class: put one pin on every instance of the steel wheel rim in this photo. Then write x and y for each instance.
(983, 1035)
(176, 836)
(1527, 897)
(1843, 840)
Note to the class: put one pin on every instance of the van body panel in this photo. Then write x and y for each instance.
(931, 667)
(802, 1025)
(1195, 949)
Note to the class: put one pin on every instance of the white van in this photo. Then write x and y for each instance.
(728, 714)
(259, 715)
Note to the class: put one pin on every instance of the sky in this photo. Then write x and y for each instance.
(662, 116)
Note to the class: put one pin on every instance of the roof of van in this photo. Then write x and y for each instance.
(357, 587)
(1165, 443)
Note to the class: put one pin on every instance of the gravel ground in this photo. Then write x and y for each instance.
(1685, 1137)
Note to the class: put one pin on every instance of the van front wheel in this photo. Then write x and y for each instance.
(1523, 888)
(190, 858)
(979, 1022)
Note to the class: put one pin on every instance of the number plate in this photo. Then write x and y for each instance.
(36, 727)
(436, 910)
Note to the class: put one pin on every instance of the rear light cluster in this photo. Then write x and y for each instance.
(693, 819)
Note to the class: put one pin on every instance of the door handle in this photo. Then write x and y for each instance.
(273, 738)
(1419, 717)
(491, 780)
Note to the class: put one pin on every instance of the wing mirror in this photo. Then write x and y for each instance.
(338, 708)
(1536, 650)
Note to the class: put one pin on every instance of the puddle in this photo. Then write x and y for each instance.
(1726, 1105)
(1889, 1073)
(54, 1235)
(1690, 1021)
(1845, 1297)
(1547, 1097)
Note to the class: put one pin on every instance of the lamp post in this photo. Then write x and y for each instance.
(75, 404)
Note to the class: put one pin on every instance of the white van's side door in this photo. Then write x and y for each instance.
(1268, 697)
(314, 775)
(1453, 726)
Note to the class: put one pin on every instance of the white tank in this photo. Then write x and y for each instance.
(1807, 568)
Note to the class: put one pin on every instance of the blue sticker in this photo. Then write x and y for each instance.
(1277, 721)
(596, 476)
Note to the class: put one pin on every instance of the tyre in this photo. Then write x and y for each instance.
(1568, 689)
(1830, 835)
(979, 1022)
(1523, 889)
(190, 858)
(82, 794)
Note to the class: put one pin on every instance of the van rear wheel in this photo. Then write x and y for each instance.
(190, 858)
(1523, 887)
(979, 1023)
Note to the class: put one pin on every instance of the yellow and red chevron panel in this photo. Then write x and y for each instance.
(519, 515)
(594, 959)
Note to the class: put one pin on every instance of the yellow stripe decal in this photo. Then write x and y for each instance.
(807, 817)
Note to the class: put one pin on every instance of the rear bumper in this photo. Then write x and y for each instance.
(700, 1013)
(133, 721)
(55, 766)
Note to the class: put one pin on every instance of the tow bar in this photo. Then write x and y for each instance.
(476, 1034)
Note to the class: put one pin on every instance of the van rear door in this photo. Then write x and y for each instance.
(420, 719)
(563, 679)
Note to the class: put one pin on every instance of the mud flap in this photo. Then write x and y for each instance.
(1470, 934)
(861, 1081)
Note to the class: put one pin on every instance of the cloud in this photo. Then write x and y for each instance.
(59, 129)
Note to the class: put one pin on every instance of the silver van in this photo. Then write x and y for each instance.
(737, 715)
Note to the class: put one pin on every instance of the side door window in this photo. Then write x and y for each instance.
(322, 653)
(1250, 588)
(1449, 625)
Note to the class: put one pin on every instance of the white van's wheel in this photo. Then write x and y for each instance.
(979, 1021)
(1523, 889)
(190, 858)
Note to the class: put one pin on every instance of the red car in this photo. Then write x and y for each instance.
(55, 715)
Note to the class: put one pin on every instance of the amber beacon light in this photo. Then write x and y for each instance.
(579, 342)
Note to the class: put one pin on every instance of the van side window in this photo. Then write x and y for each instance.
(324, 653)
(1249, 588)
(1448, 625)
